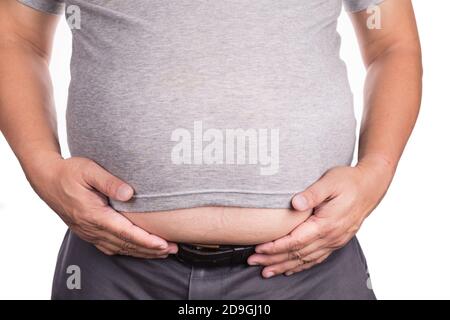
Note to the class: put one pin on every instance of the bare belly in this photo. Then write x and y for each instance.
(219, 225)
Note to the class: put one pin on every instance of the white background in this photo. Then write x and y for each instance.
(406, 239)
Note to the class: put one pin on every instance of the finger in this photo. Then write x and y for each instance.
(270, 259)
(94, 235)
(315, 194)
(125, 245)
(111, 249)
(308, 265)
(122, 228)
(105, 249)
(267, 260)
(282, 267)
(313, 247)
(301, 237)
(316, 255)
(288, 266)
(106, 183)
(137, 254)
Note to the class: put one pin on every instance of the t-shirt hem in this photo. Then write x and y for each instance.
(54, 7)
(360, 5)
(205, 199)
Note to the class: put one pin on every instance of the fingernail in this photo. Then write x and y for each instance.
(300, 203)
(173, 250)
(124, 192)
(289, 273)
(162, 246)
(270, 274)
(253, 262)
(260, 249)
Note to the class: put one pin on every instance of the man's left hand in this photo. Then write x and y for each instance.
(342, 198)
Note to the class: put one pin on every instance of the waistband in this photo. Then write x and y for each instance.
(214, 256)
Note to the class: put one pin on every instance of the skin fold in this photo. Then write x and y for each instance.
(288, 240)
(220, 225)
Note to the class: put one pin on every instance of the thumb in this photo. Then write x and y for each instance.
(106, 183)
(314, 195)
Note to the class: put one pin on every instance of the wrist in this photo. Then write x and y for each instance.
(378, 162)
(378, 170)
(41, 166)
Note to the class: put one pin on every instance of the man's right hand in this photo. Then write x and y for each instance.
(77, 190)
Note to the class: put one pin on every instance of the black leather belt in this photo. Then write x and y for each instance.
(214, 256)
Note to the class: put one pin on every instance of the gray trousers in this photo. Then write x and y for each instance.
(83, 272)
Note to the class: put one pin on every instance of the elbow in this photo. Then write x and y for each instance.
(405, 49)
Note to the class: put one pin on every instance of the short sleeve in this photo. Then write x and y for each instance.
(49, 6)
(358, 5)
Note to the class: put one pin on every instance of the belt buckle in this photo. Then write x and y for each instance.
(212, 246)
(206, 256)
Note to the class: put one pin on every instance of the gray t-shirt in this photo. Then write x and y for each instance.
(209, 102)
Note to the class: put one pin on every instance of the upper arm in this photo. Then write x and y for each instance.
(398, 30)
(25, 27)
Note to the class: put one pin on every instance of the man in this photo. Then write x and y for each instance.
(211, 142)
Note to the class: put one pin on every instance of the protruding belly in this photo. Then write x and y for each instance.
(220, 225)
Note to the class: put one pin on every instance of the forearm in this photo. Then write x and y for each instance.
(392, 98)
(27, 115)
